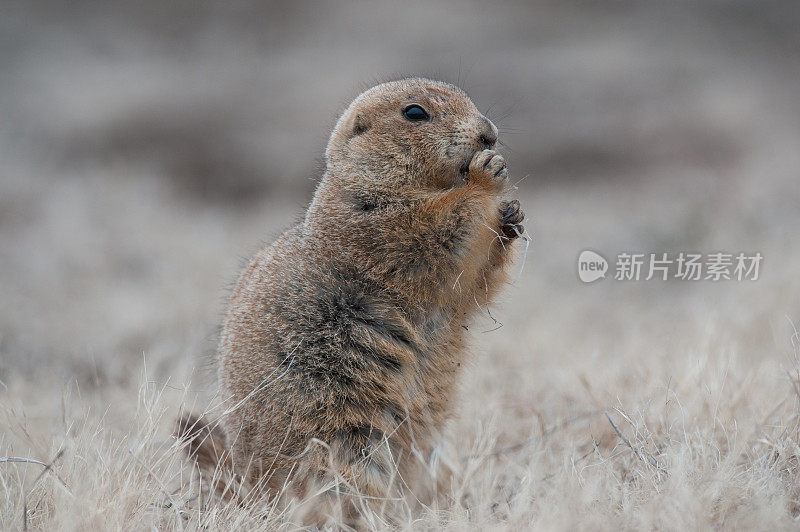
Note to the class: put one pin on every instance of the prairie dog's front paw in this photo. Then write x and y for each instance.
(489, 168)
(511, 217)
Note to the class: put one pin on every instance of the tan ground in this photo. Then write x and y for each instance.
(144, 159)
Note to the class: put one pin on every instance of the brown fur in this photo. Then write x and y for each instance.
(340, 352)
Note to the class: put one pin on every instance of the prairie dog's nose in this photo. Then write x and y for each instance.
(487, 133)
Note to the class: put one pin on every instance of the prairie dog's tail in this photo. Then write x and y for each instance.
(205, 444)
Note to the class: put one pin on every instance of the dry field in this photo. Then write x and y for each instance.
(147, 151)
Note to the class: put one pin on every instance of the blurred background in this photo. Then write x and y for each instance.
(148, 148)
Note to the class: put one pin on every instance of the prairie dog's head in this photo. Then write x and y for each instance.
(415, 132)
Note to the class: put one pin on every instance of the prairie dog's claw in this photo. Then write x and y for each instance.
(489, 167)
(511, 217)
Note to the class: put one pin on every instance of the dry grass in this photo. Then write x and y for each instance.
(137, 173)
(714, 446)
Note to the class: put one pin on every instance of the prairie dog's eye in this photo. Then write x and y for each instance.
(415, 113)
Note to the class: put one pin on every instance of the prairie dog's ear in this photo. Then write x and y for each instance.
(349, 126)
(360, 125)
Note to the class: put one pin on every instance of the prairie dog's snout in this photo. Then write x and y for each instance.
(482, 135)
(487, 135)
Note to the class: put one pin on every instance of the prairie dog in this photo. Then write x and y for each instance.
(341, 348)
